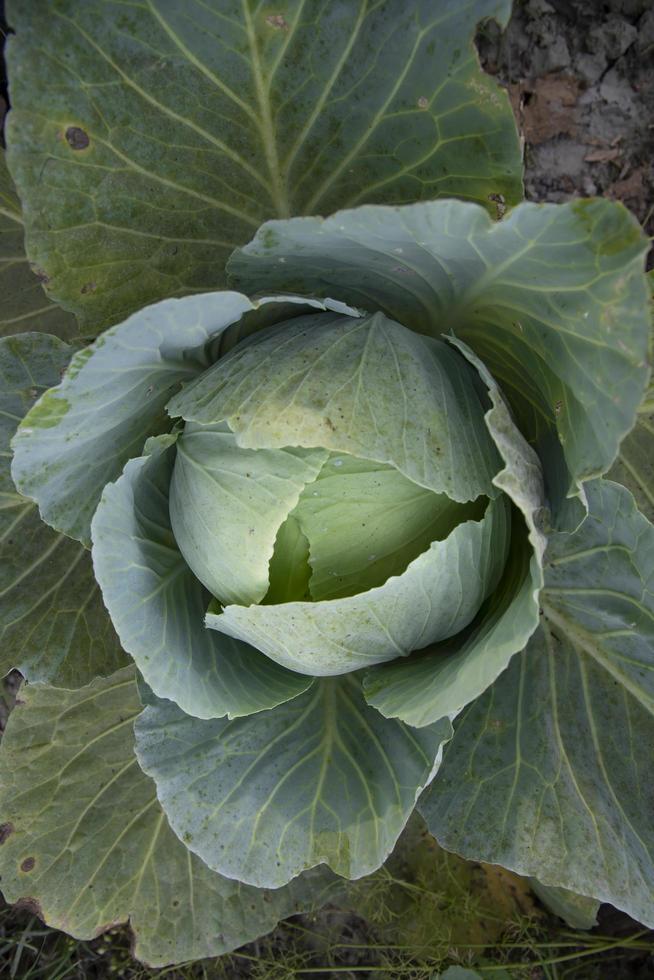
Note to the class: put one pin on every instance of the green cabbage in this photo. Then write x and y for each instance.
(319, 525)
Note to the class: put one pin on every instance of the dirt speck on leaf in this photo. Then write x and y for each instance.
(278, 21)
(500, 204)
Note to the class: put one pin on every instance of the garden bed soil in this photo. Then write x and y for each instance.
(580, 75)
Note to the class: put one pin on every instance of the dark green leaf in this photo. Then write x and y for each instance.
(53, 624)
(149, 139)
(25, 306)
(87, 846)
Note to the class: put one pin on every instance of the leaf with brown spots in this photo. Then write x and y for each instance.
(177, 129)
(91, 847)
(25, 302)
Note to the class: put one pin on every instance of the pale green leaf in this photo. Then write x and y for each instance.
(552, 298)
(365, 386)
(25, 306)
(78, 436)
(169, 131)
(550, 771)
(53, 625)
(437, 596)
(442, 680)
(87, 847)
(157, 605)
(227, 505)
(365, 522)
(321, 779)
(578, 911)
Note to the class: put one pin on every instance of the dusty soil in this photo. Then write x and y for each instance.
(580, 74)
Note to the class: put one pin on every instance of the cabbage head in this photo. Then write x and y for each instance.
(348, 522)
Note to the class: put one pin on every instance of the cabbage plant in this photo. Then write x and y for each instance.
(350, 538)
(353, 535)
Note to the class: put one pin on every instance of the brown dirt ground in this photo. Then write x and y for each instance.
(580, 74)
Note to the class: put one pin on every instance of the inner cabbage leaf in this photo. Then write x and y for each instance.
(365, 522)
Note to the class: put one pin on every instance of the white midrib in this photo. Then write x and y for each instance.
(278, 191)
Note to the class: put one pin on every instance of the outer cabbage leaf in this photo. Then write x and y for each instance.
(441, 680)
(178, 128)
(552, 299)
(321, 779)
(86, 845)
(157, 605)
(550, 771)
(435, 597)
(634, 466)
(53, 625)
(79, 435)
(24, 304)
